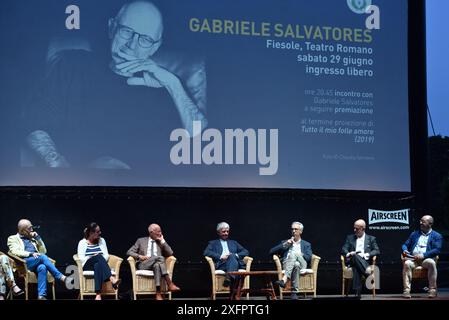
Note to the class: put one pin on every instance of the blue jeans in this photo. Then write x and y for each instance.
(101, 269)
(232, 263)
(41, 265)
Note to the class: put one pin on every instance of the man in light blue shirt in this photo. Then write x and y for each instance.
(227, 254)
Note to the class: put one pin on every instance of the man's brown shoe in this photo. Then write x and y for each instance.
(159, 296)
(173, 288)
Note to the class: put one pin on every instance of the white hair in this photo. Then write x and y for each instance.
(222, 225)
(301, 226)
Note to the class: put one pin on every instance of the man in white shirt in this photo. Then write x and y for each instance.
(358, 249)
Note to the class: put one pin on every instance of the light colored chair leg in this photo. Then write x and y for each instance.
(53, 290)
(343, 286)
(26, 290)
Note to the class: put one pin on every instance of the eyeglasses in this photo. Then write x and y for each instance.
(127, 33)
(295, 228)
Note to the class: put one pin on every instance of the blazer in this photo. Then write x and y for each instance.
(370, 246)
(306, 249)
(434, 244)
(141, 248)
(214, 250)
(17, 247)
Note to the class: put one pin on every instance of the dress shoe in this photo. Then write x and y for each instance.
(226, 282)
(159, 296)
(406, 294)
(173, 288)
(16, 291)
(116, 284)
(41, 298)
(280, 283)
(433, 293)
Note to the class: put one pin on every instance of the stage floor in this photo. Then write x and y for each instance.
(415, 297)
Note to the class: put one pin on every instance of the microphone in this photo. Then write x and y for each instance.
(36, 227)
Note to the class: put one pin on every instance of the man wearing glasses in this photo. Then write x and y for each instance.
(136, 36)
(358, 249)
(114, 113)
(296, 255)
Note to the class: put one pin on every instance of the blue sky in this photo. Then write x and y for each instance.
(438, 64)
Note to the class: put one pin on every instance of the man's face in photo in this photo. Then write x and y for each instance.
(136, 32)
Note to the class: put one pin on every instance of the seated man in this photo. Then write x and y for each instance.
(150, 253)
(296, 255)
(27, 244)
(227, 254)
(358, 249)
(420, 249)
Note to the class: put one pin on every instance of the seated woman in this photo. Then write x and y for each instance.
(7, 278)
(93, 253)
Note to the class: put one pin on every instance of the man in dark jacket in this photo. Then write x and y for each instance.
(296, 255)
(359, 248)
(227, 254)
(420, 249)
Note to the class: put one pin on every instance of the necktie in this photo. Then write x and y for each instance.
(152, 248)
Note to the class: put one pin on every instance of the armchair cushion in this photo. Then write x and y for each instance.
(221, 272)
(90, 273)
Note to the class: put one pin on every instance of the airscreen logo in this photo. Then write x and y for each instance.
(385, 218)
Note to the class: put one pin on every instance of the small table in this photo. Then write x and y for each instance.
(237, 291)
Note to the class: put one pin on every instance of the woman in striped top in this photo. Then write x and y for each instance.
(93, 253)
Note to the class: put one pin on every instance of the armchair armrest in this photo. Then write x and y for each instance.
(16, 258)
(131, 261)
(248, 261)
(170, 263)
(114, 263)
(80, 267)
(343, 261)
(211, 264)
(277, 262)
(315, 261)
(20, 265)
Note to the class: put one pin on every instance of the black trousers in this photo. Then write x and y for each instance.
(101, 270)
(358, 265)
